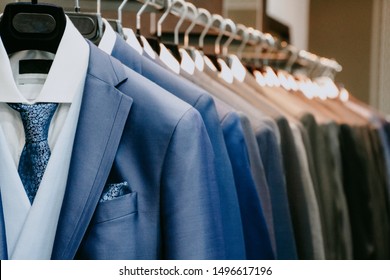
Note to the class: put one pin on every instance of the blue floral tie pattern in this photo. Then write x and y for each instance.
(36, 152)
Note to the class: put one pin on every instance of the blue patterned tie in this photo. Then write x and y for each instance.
(36, 152)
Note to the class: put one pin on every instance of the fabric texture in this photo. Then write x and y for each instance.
(36, 152)
(204, 104)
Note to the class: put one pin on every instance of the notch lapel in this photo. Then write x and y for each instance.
(103, 114)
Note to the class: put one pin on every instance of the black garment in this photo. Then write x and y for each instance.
(297, 200)
(323, 152)
(377, 188)
(356, 186)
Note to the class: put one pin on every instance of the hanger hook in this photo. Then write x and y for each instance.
(245, 38)
(208, 25)
(76, 5)
(120, 8)
(180, 22)
(98, 7)
(221, 28)
(311, 59)
(233, 29)
(171, 4)
(270, 40)
(259, 40)
(138, 17)
(193, 23)
(294, 55)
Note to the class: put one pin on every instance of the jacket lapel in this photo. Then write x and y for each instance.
(103, 114)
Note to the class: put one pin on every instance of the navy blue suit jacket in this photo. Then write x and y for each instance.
(203, 102)
(130, 130)
(256, 233)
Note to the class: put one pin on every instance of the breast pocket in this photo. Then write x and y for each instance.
(112, 231)
(113, 209)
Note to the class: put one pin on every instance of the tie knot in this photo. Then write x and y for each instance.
(36, 119)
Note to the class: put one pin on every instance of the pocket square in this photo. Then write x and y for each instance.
(112, 191)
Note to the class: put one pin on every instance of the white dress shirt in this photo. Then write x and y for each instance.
(30, 229)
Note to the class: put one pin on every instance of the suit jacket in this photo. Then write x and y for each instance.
(202, 101)
(268, 141)
(356, 182)
(377, 192)
(256, 232)
(329, 190)
(130, 130)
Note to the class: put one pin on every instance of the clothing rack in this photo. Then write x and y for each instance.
(317, 65)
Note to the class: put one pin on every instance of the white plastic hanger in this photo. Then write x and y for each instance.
(226, 73)
(198, 55)
(239, 71)
(165, 54)
(147, 48)
(131, 39)
(215, 18)
(187, 62)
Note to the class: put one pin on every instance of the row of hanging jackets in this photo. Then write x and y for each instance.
(154, 161)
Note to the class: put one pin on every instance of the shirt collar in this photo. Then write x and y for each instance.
(109, 37)
(66, 74)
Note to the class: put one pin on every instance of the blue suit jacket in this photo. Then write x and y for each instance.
(203, 102)
(130, 130)
(274, 170)
(256, 233)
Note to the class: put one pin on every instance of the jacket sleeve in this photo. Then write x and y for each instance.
(190, 214)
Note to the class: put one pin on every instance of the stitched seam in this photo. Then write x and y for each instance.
(197, 101)
(113, 219)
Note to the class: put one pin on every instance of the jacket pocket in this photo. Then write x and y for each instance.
(116, 208)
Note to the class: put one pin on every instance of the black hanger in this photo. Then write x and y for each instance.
(32, 26)
(117, 26)
(90, 25)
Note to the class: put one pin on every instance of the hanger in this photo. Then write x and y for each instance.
(210, 20)
(197, 14)
(233, 33)
(150, 45)
(213, 58)
(127, 33)
(226, 73)
(32, 26)
(234, 61)
(197, 54)
(188, 54)
(173, 47)
(245, 34)
(259, 40)
(90, 25)
(138, 21)
(117, 24)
